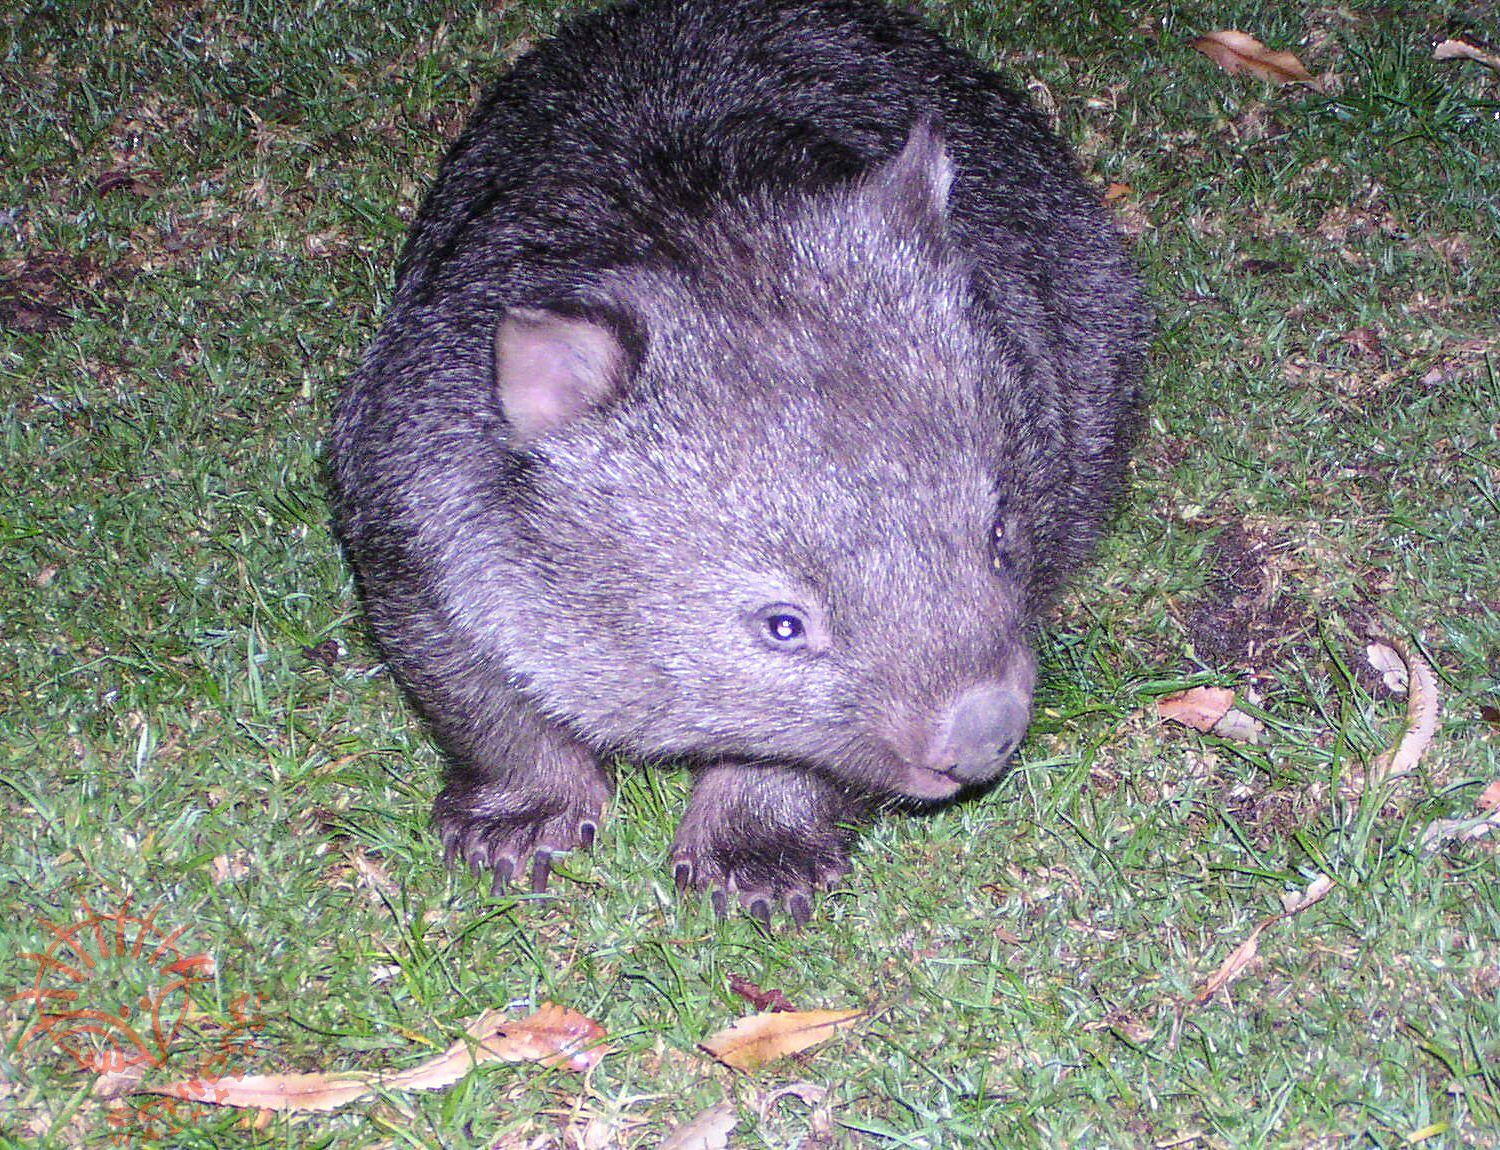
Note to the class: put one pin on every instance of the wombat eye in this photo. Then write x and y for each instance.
(782, 626)
(1000, 541)
(785, 628)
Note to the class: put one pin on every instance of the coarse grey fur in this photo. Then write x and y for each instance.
(756, 371)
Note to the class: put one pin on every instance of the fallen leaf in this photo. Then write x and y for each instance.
(1210, 710)
(553, 1036)
(118, 1083)
(1295, 902)
(1490, 714)
(1199, 707)
(710, 1130)
(1489, 798)
(303, 1092)
(1236, 52)
(1441, 831)
(1117, 191)
(371, 874)
(1233, 966)
(1390, 664)
(1244, 954)
(1239, 726)
(763, 1038)
(1463, 50)
(1422, 711)
(758, 998)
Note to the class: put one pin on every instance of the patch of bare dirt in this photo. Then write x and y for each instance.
(52, 291)
(1244, 614)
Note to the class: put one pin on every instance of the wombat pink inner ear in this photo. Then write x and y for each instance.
(551, 369)
(916, 182)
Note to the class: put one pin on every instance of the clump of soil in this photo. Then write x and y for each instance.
(1244, 612)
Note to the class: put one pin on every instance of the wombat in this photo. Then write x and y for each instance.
(755, 372)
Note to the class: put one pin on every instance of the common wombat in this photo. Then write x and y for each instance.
(756, 370)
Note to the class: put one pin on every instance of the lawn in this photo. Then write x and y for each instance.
(200, 211)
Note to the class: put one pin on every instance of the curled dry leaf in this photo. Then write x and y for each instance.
(763, 1038)
(1463, 50)
(1236, 52)
(1392, 667)
(1295, 902)
(1422, 711)
(709, 1130)
(760, 999)
(554, 1036)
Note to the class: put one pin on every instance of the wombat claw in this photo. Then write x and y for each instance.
(759, 901)
(503, 847)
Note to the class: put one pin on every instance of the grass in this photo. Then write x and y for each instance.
(199, 214)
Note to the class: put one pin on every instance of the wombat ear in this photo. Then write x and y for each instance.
(916, 182)
(552, 367)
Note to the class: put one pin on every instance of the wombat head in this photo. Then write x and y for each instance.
(777, 495)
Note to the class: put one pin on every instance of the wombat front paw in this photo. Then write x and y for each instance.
(493, 832)
(760, 872)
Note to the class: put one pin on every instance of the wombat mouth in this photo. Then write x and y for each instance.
(925, 783)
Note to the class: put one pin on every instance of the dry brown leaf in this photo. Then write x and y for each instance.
(1244, 954)
(760, 999)
(118, 1083)
(553, 1036)
(1463, 50)
(710, 1130)
(1210, 710)
(1198, 707)
(1295, 902)
(1422, 711)
(272, 1091)
(1442, 831)
(1489, 798)
(1236, 52)
(1232, 966)
(1392, 667)
(371, 873)
(762, 1038)
(1239, 726)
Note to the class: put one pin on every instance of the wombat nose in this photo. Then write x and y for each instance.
(985, 724)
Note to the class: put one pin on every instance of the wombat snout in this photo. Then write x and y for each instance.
(983, 726)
